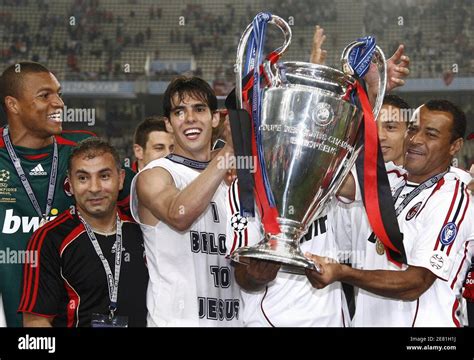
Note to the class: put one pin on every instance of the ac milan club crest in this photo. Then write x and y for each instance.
(413, 211)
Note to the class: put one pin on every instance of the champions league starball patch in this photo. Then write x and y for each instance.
(238, 222)
(448, 233)
(413, 211)
(4, 175)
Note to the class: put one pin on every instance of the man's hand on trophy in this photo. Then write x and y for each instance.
(253, 275)
(226, 135)
(228, 152)
(230, 176)
(329, 271)
(262, 271)
(318, 55)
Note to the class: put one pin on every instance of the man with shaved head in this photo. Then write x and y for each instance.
(33, 164)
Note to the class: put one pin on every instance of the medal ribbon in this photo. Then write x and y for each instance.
(253, 75)
(253, 62)
(361, 56)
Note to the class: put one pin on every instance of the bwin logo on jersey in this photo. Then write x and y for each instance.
(13, 223)
(448, 233)
(38, 171)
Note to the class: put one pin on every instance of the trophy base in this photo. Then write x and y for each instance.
(285, 252)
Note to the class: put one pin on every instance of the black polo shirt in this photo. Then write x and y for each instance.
(68, 280)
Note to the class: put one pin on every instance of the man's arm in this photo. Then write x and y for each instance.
(158, 194)
(406, 285)
(348, 188)
(31, 320)
(397, 66)
(318, 55)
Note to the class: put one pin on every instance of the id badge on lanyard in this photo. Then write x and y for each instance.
(108, 320)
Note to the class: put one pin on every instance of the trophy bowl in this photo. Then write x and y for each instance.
(309, 131)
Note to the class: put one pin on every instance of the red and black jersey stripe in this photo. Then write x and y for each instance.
(455, 215)
(30, 272)
(240, 238)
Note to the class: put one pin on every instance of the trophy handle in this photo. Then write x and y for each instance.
(278, 22)
(379, 57)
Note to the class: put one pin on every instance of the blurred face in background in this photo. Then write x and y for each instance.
(159, 144)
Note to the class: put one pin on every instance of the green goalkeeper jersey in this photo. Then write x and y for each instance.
(18, 217)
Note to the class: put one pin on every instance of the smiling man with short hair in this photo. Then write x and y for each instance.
(179, 202)
(91, 269)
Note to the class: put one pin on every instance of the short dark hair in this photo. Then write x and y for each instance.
(459, 117)
(11, 80)
(143, 130)
(90, 148)
(191, 86)
(395, 100)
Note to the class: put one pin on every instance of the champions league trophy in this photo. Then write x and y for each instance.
(308, 131)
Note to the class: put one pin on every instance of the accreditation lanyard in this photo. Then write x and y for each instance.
(415, 192)
(193, 164)
(112, 279)
(24, 180)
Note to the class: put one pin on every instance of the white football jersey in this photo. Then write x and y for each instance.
(351, 223)
(437, 225)
(289, 300)
(191, 280)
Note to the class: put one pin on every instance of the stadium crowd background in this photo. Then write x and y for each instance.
(106, 44)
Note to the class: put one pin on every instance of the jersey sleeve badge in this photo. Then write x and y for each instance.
(448, 233)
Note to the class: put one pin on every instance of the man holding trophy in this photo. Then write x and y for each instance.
(434, 210)
(305, 141)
